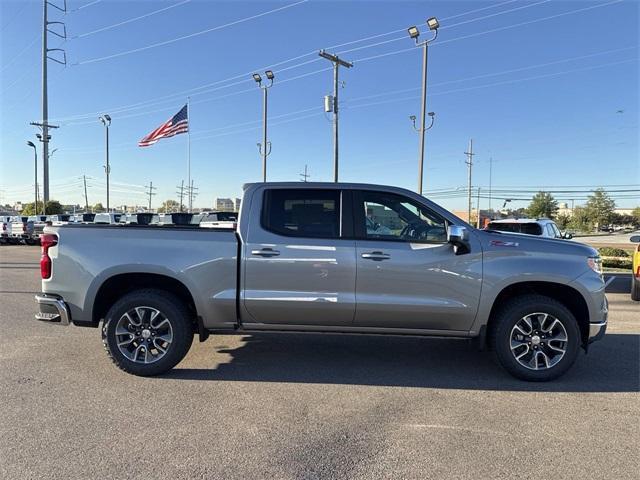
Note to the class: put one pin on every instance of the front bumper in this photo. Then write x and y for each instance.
(598, 329)
(52, 309)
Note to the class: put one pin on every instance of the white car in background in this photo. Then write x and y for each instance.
(107, 218)
(541, 227)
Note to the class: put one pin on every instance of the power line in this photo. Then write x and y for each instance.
(193, 91)
(109, 27)
(150, 102)
(191, 35)
(86, 5)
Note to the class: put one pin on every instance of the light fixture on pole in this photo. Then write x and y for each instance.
(265, 147)
(414, 34)
(106, 121)
(35, 163)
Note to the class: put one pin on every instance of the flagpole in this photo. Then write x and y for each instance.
(189, 153)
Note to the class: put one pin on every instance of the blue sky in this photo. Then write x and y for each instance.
(539, 95)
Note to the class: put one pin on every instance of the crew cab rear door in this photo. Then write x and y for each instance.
(409, 277)
(299, 258)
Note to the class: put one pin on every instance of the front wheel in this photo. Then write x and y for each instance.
(536, 338)
(147, 332)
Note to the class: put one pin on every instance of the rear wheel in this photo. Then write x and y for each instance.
(536, 338)
(147, 332)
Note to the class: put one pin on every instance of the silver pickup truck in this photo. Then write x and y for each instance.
(325, 257)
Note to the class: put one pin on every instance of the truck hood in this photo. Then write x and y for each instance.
(494, 240)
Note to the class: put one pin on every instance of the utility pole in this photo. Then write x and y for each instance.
(304, 176)
(150, 192)
(478, 208)
(333, 103)
(181, 193)
(191, 193)
(469, 163)
(44, 124)
(86, 199)
(490, 184)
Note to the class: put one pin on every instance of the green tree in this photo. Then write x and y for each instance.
(580, 220)
(543, 205)
(169, 206)
(635, 213)
(52, 207)
(600, 208)
(98, 208)
(28, 209)
(563, 221)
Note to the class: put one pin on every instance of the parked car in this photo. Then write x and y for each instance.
(21, 229)
(83, 217)
(542, 227)
(216, 220)
(635, 270)
(60, 218)
(5, 221)
(302, 259)
(137, 218)
(39, 222)
(107, 218)
(178, 218)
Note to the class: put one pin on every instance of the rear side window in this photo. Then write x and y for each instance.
(531, 228)
(504, 227)
(302, 213)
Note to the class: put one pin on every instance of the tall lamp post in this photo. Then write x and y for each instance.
(265, 147)
(414, 33)
(106, 121)
(35, 163)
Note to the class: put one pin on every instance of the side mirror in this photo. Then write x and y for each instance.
(635, 239)
(567, 235)
(458, 236)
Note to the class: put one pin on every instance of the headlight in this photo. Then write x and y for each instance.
(595, 264)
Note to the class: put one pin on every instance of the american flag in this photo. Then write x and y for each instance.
(179, 123)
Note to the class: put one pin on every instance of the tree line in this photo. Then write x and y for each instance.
(597, 212)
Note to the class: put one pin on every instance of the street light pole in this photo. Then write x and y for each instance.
(337, 62)
(414, 33)
(35, 163)
(265, 147)
(106, 121)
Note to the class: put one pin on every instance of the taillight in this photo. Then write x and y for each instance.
(47, 240)
(638, 272)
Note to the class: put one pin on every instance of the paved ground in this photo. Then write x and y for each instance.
(619, 240)
(307, 406)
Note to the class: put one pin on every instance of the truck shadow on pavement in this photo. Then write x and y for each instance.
(612, 365)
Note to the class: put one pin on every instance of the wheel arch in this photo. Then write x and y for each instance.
(568, 296)
(117, 285)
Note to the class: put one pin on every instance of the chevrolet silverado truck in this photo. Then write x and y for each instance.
(325, 257)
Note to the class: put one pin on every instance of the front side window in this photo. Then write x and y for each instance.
(393, 217)
(303, 212)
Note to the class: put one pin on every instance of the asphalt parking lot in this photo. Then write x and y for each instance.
(307, 406)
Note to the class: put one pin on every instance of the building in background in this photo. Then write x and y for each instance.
(237, 204)
(225, 205)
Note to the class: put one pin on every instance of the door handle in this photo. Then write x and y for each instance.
(376, 256)
(265, 252)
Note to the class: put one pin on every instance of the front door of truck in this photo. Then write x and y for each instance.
(299, 269)
(408, 275)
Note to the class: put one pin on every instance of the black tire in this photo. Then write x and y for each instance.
(170, 307)
(635, 288)
(513, 312)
